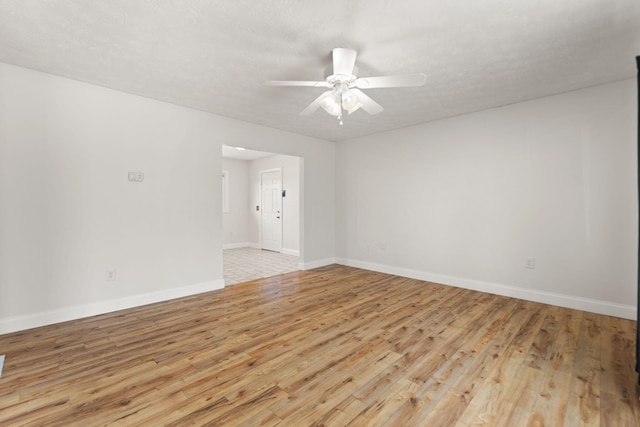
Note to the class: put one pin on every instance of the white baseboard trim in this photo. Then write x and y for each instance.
(562, 300)
(254, 245)
(19, 323)
(293, 252)
(236, 245)
(316, 264)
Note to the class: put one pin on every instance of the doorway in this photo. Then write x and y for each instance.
(257, 245)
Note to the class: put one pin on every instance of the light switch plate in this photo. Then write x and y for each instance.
(1, 364)
(135, 176)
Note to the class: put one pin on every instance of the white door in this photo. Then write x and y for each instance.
(271, 210)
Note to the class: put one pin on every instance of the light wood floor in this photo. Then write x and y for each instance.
(332, 346)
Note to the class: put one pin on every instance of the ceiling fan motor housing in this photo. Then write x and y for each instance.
(333, 78)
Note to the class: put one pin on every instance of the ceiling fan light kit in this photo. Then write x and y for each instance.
(345, 94)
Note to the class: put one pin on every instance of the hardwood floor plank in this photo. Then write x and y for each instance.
(583, 406)
(379, 412)
(618, 389)
(556, 372)
(451, 371)
(498, 399)
(333, 346)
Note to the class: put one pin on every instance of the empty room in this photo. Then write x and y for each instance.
(455, 185)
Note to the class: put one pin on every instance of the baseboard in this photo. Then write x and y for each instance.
(254, 245)
(316, 264)
(19, 323)
(236, 245)
(293, 252)
(561, 300)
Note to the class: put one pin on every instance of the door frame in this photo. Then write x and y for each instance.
(260, 172)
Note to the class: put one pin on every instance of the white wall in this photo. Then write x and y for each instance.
(464, 201)
(235, 222)
(68, 213)
(290, 166)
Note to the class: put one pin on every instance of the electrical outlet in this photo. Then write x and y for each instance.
(111, 275)
(530, 263)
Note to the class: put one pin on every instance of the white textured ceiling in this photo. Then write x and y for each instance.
(214, 55)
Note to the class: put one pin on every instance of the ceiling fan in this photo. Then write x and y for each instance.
(344, 85)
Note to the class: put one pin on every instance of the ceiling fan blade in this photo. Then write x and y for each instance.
(296, 83)
(315, 104)
(343, 61)
(368, 104)
(408, 80)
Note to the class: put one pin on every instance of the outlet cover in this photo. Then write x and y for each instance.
(111, 275)
(530, 263)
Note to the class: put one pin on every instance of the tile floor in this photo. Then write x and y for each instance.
(244, 264)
